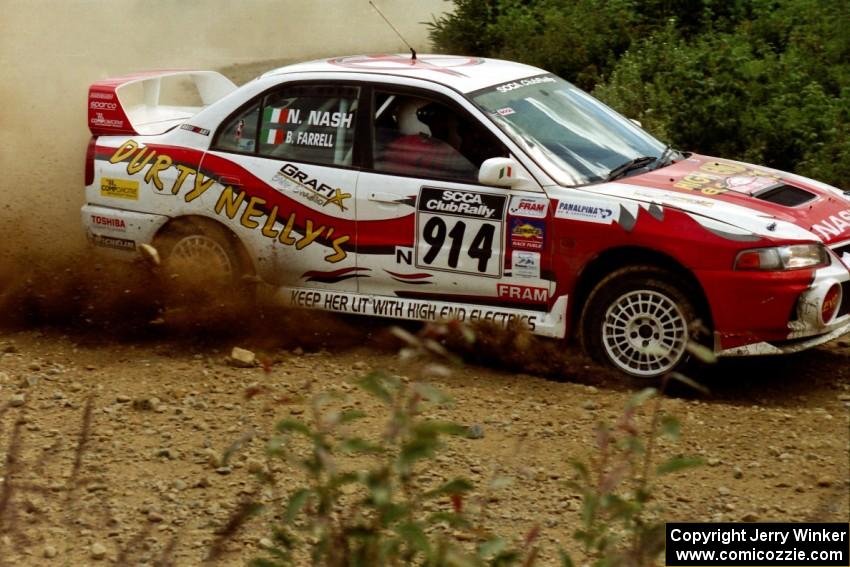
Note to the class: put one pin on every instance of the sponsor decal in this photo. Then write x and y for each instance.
(527, 234)
(310, 188)
(833, 226)
(119, 188)
(514, 85)
(460, 231)
(507, 111)
(109, 223)
(335, 276)
(525, 264)
(195, 129)
(278, 225)
(276, 120)
(112, 242)
(523, 293)
(104, 96)
(531, 207)
(100, 120)
(405, 308)
(100, 105)
(437, 63)
(716, 178)
(587, 210)
(461, 203)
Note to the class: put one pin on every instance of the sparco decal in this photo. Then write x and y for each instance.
(588, 210)
(278, 225)
(531, 207)
(100, 105)
(835, 225)
(290, 177)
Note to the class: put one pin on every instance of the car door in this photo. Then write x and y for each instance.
(427, 229)
(286, 161)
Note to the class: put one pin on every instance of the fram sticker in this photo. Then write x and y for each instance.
(532, 207)
(119, 188)
(527, 234)
(525, 264)
(587, 210)
(523, 293)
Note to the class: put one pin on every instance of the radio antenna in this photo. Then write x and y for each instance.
(398, 33)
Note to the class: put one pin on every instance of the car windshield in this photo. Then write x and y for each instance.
(574, 137)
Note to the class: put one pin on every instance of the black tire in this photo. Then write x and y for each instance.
(211, 289)
(639, 319)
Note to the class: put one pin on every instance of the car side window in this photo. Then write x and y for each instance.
(422, 137)
(310, 123)
(239, 133)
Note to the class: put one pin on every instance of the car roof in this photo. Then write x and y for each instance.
(461, 73)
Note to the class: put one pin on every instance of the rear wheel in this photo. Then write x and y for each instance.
(637, 320)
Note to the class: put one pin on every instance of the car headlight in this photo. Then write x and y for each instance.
(778, 258)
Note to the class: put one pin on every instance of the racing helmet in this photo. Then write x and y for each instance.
(407, 117)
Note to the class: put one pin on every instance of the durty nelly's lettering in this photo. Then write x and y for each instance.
(230, 201)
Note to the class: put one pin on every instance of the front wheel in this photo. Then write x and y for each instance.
(639, 321)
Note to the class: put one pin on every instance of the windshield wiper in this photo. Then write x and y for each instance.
(666, 158)
(630, 165)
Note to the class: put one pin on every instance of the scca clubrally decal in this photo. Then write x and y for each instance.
(471, 223)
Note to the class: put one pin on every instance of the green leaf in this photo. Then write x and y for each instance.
(703, 353)
(566, 560)
(432, 394)
(351, 415)
(641, 398)
(433, 428)
(455, 486)
(689, 382)
(296, 503)
(414, 451)
(581, 469)
(360, 446)
(414, 536)
(293, 426)
(375, 383)
(491, 547)
(501, 482)
(670, 427)
(677, 464)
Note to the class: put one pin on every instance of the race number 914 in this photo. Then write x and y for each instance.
(460, 231)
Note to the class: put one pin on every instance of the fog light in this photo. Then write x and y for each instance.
(831, 301)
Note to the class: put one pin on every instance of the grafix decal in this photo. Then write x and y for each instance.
(527, 234)
(119, 188)
(523, 293)
(835, 225)
(531, 207)
(310, 188)
(587, 210)
(278, 225)
(460, 231)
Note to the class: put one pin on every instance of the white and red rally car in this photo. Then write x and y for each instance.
(456, 187)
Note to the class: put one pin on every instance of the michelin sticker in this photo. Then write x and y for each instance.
(525, 264)
(587, 210)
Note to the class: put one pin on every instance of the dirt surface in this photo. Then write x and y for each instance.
(114, 419)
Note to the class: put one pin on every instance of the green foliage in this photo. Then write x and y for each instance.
(766, 81)
(377, 513)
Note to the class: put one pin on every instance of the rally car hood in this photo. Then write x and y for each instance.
(765, 201)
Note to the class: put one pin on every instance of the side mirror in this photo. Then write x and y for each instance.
(502, 172)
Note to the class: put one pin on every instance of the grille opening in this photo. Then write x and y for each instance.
(844, 308)
(786, 195)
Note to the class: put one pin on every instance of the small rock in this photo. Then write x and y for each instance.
(589, 405)
(713, 462)
(203, 482)
(723, 491)
(155, 517)
(738, 473)
(49, 551)
(750, 517)
(242, 358)
(122, 399)
(17, 400)
(224, 470)
(10, 349)
(298, 351)
(824, 482)
(98, 551)
(359, 365)
(179, 484)
(165, 452)
(266, 543)
(475, 431)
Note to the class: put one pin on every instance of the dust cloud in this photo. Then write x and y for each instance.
(52, 50)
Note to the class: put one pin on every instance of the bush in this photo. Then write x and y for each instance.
(758, 80)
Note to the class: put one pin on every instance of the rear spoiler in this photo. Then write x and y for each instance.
(131, 104)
